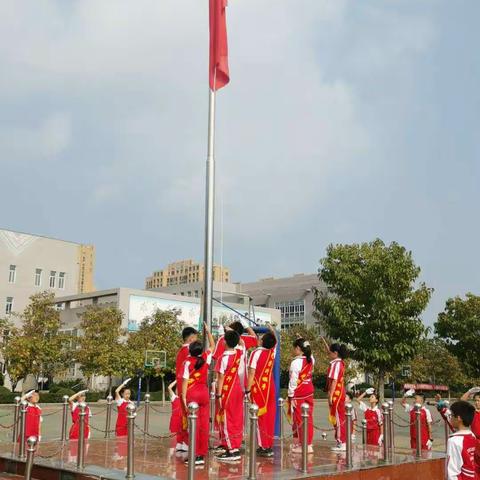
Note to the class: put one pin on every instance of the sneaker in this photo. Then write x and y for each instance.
(298, 449)
(185, 447)
(231, 456)
(265, 452)
(181, 447)
(219, 449)
(342, 447)
(199, 460)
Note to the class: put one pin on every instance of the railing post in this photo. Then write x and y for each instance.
(348, 420)
(108, 419)
(364, 432)
(246, 404)
(81, 436)
(146, 419)
(447, 428)
(192, 438)
(212, 415)
(392, 427)
(386, 431)
(131, 414)
(305, 409)
(418, 429)
(23, 424)
(280, 409)
(252, 453)
(64, 418)
(31, 448)
(16, 416)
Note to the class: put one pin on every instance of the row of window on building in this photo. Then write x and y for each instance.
(37, 280)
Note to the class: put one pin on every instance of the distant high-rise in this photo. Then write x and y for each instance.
(184, 272)
(31, 263)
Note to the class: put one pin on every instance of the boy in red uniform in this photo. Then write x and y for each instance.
(475, 392)
(33, 418)
(426, 438)
(195, 389)
(373, 416)
(261, 388)
(189, 335)
(176, 412)
(230, 397)
(461, 444)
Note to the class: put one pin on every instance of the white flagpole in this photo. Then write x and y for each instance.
(209, 214)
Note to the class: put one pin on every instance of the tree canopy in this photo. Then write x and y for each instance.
(373, 303)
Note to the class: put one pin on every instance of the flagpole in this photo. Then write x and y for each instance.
(209, 214)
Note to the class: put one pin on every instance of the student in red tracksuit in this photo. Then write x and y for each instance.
(33, 418)
(176, 411)
(195, 389)
(122, 399)
(336, 393)
(189, 335)
(229, 396)
(475, 392)
(374, 417)
(425, 423)
(74, 402)
(461, 444)
(261, 390)
(300, 390)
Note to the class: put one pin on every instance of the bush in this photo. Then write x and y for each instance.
(76, 385)
(8, 397)
(4, 390)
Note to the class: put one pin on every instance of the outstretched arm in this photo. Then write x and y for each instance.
(119, 388)
(211, 340)
(76, 395)
(325, 345)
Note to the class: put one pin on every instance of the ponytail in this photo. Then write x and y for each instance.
(340, 349)
(196, 349)
(305, 347)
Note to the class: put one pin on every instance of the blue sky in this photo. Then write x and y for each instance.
(344, 121)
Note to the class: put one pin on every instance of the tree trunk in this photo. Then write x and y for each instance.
(163, 390)
(381, 386)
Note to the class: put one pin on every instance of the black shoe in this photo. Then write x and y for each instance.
(218, 450)
(265, 452)
(199, 460)
(231, 456)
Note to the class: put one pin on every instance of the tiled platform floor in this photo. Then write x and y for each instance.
(156, 457)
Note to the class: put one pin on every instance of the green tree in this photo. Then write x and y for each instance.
(100, 347)
(373, 303)
(159, 331)
(434, 363)
(35, 346)
(459, 326)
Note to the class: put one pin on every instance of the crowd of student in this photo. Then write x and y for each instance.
(244, 365)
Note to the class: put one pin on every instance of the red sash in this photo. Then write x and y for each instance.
(262, 384)
(305, 372)
(338, 396)
(228, 382)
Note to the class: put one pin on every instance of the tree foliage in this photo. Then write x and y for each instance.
(159, 331)
(36, 345)
(101, 350)
(459, 326)
(373, 303)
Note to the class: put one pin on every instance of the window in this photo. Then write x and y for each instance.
(61, 280)
(11, 274)
(53, 275)
(292, 312)
(9, 305)
(38, 277)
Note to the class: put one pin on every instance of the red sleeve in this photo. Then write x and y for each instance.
(477, 457)
(181, 357)
(250, 341)
(219, 348)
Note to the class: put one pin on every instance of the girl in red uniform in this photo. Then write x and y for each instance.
(336, 393)
(373, 416)
(122, 399)
(426, 438)
(261, 390)
(195, 389)
(33, 418)
(300, 390)
(74, 402)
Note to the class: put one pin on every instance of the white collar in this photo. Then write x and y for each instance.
(336, 360)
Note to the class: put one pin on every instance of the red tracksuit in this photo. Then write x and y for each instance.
(75, 428)
(176, 415)
(263, 394)
(33, 418)
(335, 374)
(182, 435)
(374, 418)
(197, 391)
(121, 427)
(461, 456)
(475, 427)
(425, 419)
(230, 410)
(300, 390)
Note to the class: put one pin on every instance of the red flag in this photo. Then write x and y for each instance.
(219, 75)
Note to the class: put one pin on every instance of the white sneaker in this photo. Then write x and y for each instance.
(185, 447)
(342, 447)
(181, 447)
